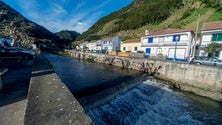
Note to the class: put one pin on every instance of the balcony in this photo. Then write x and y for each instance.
(167, 43)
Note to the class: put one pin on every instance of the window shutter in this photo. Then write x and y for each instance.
(150, 40)
(217, 37)
(148, 50)
(135, 48)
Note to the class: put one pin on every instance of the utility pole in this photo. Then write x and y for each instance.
(194, 49)
(175, 50)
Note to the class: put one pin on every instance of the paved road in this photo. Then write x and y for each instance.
(14, 93)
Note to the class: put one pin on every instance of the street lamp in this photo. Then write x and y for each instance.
(175, 50)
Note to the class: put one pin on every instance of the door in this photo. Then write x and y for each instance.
(180, 53)
(159, 51)
(148, 50)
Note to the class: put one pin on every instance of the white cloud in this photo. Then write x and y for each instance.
(56, 11)
(29, 8)
(80, 5)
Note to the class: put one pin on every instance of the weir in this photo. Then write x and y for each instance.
(104, 95)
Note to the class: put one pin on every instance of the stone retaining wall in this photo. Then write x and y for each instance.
(201, 80)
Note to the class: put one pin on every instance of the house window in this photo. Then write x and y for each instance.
(150, 40)
(105, 42)
(124, 48)
(135, 48)
(176, 38)
(161, 39)
(148, 50)
(217, 37)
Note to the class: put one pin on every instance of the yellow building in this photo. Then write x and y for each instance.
(131, 45)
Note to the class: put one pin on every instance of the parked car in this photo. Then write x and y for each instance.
(213, 61)
(12, 54)
(24, 50)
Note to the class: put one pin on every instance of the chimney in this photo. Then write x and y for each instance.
(147, 32)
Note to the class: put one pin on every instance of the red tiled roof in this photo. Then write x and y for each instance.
(212, 25)
(168, 31)
(132, 41)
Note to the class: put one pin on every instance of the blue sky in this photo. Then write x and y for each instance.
(57, 15)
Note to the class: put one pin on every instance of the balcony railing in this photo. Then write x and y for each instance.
(205, 43)
(179, 43)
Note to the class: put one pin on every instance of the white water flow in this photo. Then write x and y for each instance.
(121, 97)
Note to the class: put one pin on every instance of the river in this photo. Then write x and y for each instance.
(114, 96)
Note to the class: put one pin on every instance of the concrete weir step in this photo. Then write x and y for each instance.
(49, 100)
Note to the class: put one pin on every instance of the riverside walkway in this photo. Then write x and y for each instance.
(49, 101)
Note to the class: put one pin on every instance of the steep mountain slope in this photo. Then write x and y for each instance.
(133, 20)
(24, 32)
(68, 36)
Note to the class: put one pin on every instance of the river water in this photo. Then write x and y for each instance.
(114, 96)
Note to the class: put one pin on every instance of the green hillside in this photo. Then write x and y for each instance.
(132, 21)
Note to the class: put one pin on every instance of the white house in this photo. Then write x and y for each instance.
(111, 44)
(131, 46)
(175, 44)
(95, 46)
(91, 45)
(211, 32)
(83, 44)
(98, 47)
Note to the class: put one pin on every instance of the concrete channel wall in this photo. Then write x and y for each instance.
(201, 80)
(49, 100)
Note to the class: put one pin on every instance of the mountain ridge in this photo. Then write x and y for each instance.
(132, 21)
(67, 35)
(129, 22)
(24, 32)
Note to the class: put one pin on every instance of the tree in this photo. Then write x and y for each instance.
(213, 48)
(74, 44)
(85, 48)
